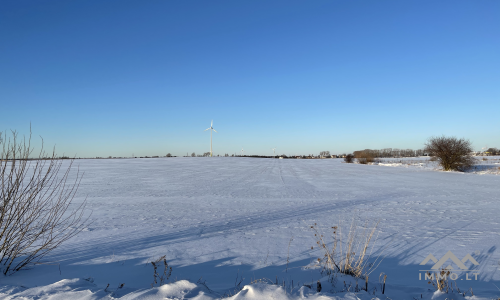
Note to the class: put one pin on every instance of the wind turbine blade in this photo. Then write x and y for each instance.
(214, 130)
(212, 124)
(206, 129)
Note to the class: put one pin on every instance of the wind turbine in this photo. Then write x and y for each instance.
(242, 151)
(274, 152)
(211, 128)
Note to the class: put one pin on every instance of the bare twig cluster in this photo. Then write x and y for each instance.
(349, 252)
(37, 212)
(167, 271)
(453, 154)
(441, 282)
(349, 158)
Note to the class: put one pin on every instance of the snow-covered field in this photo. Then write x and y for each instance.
(221, 220)
(484, 164)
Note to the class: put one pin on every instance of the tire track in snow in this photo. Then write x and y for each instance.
(281, 177)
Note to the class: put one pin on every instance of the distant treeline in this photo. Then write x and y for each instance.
(391, 152)
(492, 151)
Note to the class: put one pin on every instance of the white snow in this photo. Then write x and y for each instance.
(218, 220)
(484, 165)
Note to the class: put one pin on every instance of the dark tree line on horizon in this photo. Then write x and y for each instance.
(391, 152)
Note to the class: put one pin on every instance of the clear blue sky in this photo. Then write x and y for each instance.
(100, 78)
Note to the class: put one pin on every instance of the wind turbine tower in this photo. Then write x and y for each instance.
(211, 128)
(274, 151)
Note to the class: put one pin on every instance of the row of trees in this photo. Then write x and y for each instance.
(203, 155)
(367, 153)
(392, 152)
(207, 154)
(492, 151)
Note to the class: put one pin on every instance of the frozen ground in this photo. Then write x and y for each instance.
(222, 218)
(484, 164)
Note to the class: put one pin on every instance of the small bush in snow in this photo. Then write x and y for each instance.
(364, 157)
(349, 252)
(453, 154)
(349, 158)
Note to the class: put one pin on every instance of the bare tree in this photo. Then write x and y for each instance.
(386, 152)
(169, 155)
(451, 153)
(193, 154)
(37, 212)
(324, 154)
(349, 158)
(492, 151)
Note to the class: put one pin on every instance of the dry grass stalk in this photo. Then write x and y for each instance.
(441, 280)
(347, 255)
(288, 254)
(167, 271)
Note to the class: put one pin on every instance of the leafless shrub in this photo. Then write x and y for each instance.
(349, 158)
(36, 209)
(364, 157)
(348, 254)
(362, 160)
(453, 154)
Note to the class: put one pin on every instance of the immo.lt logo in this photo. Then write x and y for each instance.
(437, 271)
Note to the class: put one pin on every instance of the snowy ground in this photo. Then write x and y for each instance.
(218, 219)
(484, 164)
